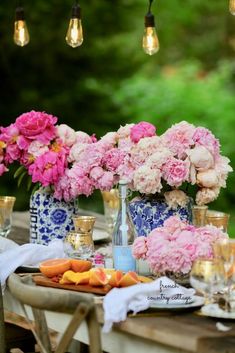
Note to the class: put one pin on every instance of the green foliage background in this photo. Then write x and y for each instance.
(110, 81)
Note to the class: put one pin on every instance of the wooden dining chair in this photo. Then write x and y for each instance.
(14, 336)
(41, 299)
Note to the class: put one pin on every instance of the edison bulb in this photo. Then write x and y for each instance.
(232, 7)
(150, 41)
(74, 36)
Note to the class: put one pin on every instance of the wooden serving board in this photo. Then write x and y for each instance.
(47, 282)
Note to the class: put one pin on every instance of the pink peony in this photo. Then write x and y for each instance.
(222, 169)
(176, 198)
(113, 158)
(66, 134)
(147, 181)
(201, 158)
(83, 137)
(207, 195)
(142, 129)
(139, 248)
(175, 172)
(208, 179)
(37, 126)
(203, 137)
(179, 138)
(125, 131)
(173, 224)
(48, 168)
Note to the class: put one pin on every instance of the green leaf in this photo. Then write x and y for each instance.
(19, 171)
(29, 183)
(21, 178)
(36, 187)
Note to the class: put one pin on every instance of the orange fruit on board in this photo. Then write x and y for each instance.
(98, 277)
(80, 265)
(128, 279)
(115, 278)
(75, 277)
(54, 267)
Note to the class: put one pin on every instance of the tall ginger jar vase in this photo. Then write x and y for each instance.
(150, 212)
(49, 218)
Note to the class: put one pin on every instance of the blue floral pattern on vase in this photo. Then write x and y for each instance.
(148, 214)
(49, 218)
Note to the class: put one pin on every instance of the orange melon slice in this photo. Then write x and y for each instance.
(128, 279)
(54, 267)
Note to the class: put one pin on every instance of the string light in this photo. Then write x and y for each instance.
(21, 34)
(232, 7)
(150, 38)
(74, 36)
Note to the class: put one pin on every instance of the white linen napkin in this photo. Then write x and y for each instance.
(27, 255)
(138, 297)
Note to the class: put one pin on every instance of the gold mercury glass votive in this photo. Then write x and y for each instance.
(199, 215)
(79, 244)
(84, 224)
(6, 208)
(218, 219)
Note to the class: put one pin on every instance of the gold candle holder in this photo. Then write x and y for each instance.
(199, 215)
(79, 244)
(84, 224)
(218, 219)
(6, 208)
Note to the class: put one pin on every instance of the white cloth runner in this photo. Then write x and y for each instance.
(27, 255)
(119, 301)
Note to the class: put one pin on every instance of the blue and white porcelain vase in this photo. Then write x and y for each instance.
(49, 218)
(149, 213)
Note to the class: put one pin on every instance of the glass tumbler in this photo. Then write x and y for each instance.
(79, 245)
(6, 208)
(218, 219)
(111, 207)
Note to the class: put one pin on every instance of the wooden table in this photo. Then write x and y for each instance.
(171, 332)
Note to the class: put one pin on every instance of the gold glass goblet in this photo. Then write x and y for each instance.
(111, 207)
(218, 219)
(199, 215)
(79, 244)
(6, 208)
(224, 250)
(84, 224)
(207, 277)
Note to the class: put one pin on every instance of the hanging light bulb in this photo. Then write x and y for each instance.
(150, 38)
(21, 34)
(232, 7)
(74, 36)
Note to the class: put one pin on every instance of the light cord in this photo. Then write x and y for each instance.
(150, 5)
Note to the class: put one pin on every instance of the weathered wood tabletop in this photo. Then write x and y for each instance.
(179, 331)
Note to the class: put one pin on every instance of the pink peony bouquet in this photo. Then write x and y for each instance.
(174, 247)
(184, 154)
(74, 163)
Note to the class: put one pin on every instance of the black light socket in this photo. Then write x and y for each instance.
(76, 11)
(149, 20)
(19, 14)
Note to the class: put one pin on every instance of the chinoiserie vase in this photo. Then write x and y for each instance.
(149, 213)
(49, 218)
